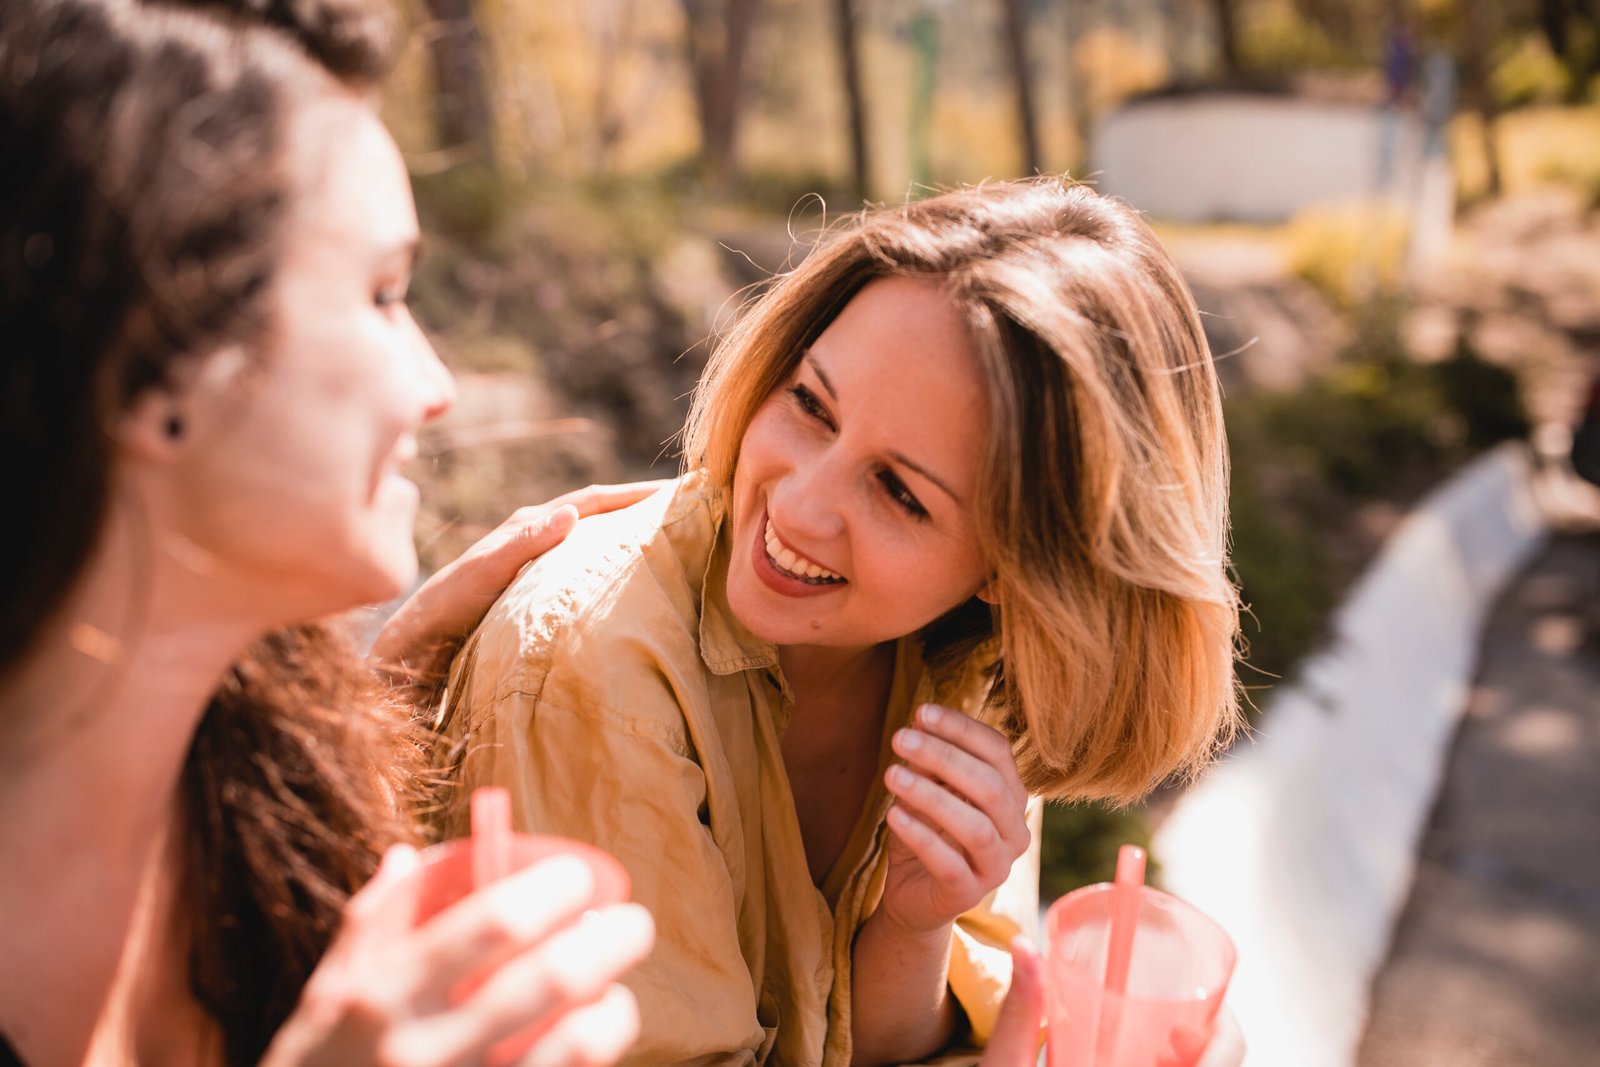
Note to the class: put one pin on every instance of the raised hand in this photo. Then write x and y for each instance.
(520, 958)
(958, 820)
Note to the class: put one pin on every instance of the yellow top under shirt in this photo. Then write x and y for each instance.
(614, 694)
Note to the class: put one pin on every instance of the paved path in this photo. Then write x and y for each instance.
(1496, 959)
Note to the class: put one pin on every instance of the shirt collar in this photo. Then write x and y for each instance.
(726, 645)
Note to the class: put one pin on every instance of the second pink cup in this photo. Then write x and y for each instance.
(1177, 974)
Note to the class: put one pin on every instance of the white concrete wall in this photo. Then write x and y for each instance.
(1256, 158)
(1302, 844)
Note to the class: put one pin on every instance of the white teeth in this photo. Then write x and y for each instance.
(786, 558)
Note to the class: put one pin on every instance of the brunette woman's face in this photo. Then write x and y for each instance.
(297, 479)
(854, 494)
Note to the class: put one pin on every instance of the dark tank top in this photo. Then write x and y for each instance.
(8, 1055)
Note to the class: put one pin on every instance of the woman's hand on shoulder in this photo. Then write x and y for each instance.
(421, 636)
(959, 819)
(524, 959)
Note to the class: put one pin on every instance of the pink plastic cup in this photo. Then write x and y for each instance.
(1176, 977)
(451, 871)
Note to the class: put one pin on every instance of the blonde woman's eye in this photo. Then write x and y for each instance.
(807, 401)
(901, 495)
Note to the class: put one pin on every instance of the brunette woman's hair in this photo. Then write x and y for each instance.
(1103, 500)
(144, 196)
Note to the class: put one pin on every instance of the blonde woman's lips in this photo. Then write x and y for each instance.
(784, 570)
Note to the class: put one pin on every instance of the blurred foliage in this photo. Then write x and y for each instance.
(470, 203)
(1277, 37)
(1486, 397)
(1282, 564)
(1378, 426)
(1080, 843)
(1116, 64)
(1537, 147)
(1349, 252)
(1527, 73)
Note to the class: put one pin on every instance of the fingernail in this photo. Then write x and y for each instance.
(550, 884)
(930, 714)
(624, 924)
(899, 777)
(400, 859)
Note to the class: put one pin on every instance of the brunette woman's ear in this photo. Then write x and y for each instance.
(161, 421)
(155, 426)
(989, 592)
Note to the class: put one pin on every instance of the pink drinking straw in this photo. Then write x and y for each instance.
(491, 835)
(1125, 894)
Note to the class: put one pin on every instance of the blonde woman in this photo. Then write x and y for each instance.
(952, 540)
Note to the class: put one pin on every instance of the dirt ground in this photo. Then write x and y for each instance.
(1496, 959)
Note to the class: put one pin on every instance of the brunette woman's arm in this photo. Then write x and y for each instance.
(416, 643)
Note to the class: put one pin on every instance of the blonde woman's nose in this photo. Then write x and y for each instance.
(807, 503)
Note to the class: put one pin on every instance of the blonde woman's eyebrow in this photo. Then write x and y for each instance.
(816, 368)
(905, 461)
(899, 457)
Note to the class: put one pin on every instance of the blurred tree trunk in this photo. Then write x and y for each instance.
(1475, 85)
(1017, 52)
(611, 22)
(717, 33)
(463, 104)
(1588, 12)
(1578, 52)
(1228, 35)
(1553, 21)
(1080, 17)
(845, 27)
(1172, 17)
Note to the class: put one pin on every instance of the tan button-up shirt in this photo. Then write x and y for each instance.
(615, 695)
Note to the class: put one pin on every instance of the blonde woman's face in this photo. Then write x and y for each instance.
(853, 499)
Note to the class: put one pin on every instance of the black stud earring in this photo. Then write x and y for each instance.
(174, 427)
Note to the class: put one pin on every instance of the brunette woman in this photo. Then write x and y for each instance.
(209, 384)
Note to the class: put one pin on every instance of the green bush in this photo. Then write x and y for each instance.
(1284, 576)
(1080, 845)
(1379, 426)
(1529, 74)
(1352, 252)
(1486, 396)
(470, 202)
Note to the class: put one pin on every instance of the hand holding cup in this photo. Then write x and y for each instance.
(432, 968)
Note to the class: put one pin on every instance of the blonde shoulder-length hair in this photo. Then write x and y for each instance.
(1103, 503)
